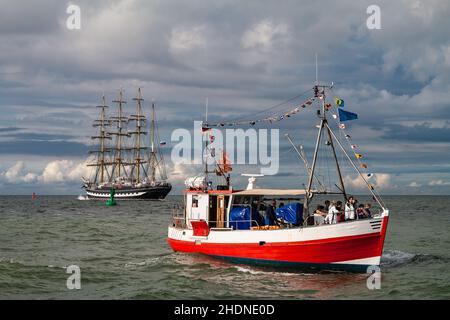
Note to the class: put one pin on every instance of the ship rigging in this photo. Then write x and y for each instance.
(123, 161)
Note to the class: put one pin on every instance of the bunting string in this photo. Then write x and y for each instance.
(271, 119)
(358, 156)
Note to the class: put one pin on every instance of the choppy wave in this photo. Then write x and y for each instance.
(393, 258)
(396, 258)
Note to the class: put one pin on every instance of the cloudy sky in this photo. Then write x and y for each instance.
(245, 57)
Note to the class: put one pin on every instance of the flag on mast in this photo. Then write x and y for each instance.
(347, 116)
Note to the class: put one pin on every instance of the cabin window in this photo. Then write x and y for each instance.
(247, 200)
(195, 201)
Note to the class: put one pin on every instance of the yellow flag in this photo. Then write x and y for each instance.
(339, 102)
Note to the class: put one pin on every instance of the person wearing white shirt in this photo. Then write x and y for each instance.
(350, 209)
(331, 217)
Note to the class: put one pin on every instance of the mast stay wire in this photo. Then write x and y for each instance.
(245, 118)
(375, 194)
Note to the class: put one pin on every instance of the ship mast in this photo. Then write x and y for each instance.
(101, 164)
(152, 159)
(319, 92)
(119, 162)
(155, 157)
(140, 119)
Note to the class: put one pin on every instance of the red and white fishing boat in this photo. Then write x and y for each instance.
(226, 223)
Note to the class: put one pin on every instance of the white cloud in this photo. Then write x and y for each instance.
(379, 181)
(64, 170)
(183, 39)
(178, 173)
(439, 182)
(16, 174)
(54, 171)
(263, 34)
(414, 184)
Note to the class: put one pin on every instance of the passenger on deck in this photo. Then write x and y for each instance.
(327, 205)
(355, 205)
(255, 213)
(320, 210)
(319, 215)
(361, 214)
(367, 208)
(350, 209)
(331, 217)
(270, 213)
(341, 214)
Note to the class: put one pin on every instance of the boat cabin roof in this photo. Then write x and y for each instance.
(252, 192)
(199, 191)
(271, 192)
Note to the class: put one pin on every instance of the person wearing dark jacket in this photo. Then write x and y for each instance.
(270, 213)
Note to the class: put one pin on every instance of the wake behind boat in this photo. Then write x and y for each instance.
(247, 226)
(131, 169)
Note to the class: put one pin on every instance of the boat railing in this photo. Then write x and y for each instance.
(178, 216)
(180, 221)
(253, 223)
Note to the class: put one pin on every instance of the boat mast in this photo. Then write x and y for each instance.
(120, 120)
(323, 124)
(153, 160)
(102, 123)
(102, 141)
(140, 120)
(206, 144)
(308, 194)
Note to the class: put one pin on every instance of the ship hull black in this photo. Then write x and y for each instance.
(144, 193)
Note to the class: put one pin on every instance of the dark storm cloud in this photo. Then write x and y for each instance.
(30, 136)
(9, 129)
(22, 18)
(43, 148)
(422, 132)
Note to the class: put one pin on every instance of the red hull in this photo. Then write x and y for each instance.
(324, 251)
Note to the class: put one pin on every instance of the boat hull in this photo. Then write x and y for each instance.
(145, 193)
(350, 246)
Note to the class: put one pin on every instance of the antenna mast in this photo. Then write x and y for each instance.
(319, 92)
(317, 72)
(206, 144)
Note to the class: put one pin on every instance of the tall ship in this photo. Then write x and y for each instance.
(124, 160)
(316, 226)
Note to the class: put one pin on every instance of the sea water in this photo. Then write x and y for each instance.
(122, 253)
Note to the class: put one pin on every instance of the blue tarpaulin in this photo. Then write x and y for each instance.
(240, 218)
(291, 213)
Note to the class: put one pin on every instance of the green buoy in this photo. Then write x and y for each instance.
(111, 202)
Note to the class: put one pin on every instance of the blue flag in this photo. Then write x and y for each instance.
(346, 116)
